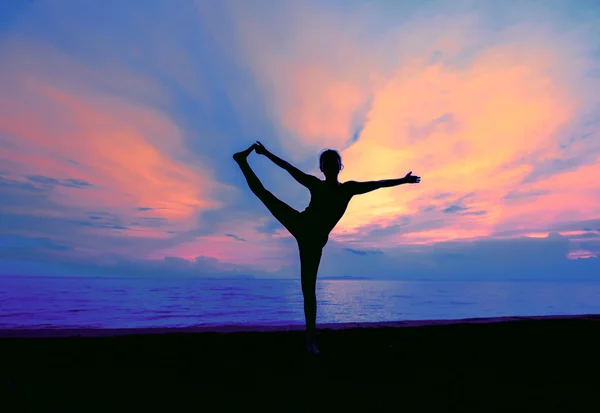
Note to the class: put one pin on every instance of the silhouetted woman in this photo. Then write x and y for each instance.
(311, 227)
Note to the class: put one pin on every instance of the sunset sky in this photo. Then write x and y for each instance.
(118, 120)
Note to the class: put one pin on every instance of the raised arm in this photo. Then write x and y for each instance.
(302, 178)
(357, 188)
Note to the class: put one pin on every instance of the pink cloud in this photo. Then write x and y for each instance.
(60, 122)
(261, 253)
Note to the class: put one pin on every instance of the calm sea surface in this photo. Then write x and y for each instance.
(126, 303)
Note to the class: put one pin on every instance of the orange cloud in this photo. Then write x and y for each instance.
(470, 109)
(497, 109)
(312, 70)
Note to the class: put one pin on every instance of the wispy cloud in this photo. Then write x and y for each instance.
(117, 129)
(235, 237)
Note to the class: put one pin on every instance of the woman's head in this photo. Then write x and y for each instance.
(330, 162)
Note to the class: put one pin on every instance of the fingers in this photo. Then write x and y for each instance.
(414, 179)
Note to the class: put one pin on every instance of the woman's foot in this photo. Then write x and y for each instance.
(241, 156)
(311, 346)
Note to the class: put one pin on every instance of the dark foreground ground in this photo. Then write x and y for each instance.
(520, 365)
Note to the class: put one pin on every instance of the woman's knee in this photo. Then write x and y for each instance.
(260, 191)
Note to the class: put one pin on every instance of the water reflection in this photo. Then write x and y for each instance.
(123, 303)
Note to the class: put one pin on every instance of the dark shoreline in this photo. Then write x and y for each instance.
(241, 328)
(502, 364)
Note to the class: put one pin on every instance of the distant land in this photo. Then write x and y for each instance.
(345, 277)
(239, 276)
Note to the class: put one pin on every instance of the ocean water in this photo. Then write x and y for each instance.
(132, 303)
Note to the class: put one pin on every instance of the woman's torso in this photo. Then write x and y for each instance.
(328, 202)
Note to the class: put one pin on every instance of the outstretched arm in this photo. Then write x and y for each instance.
(357, 188)
(302, 178)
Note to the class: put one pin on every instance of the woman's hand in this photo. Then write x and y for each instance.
(259, 148)
(410, 179)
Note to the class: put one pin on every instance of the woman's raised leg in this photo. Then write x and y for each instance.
(285, 214)
(310, 252)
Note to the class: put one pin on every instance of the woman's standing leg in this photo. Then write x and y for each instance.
(310, 258)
